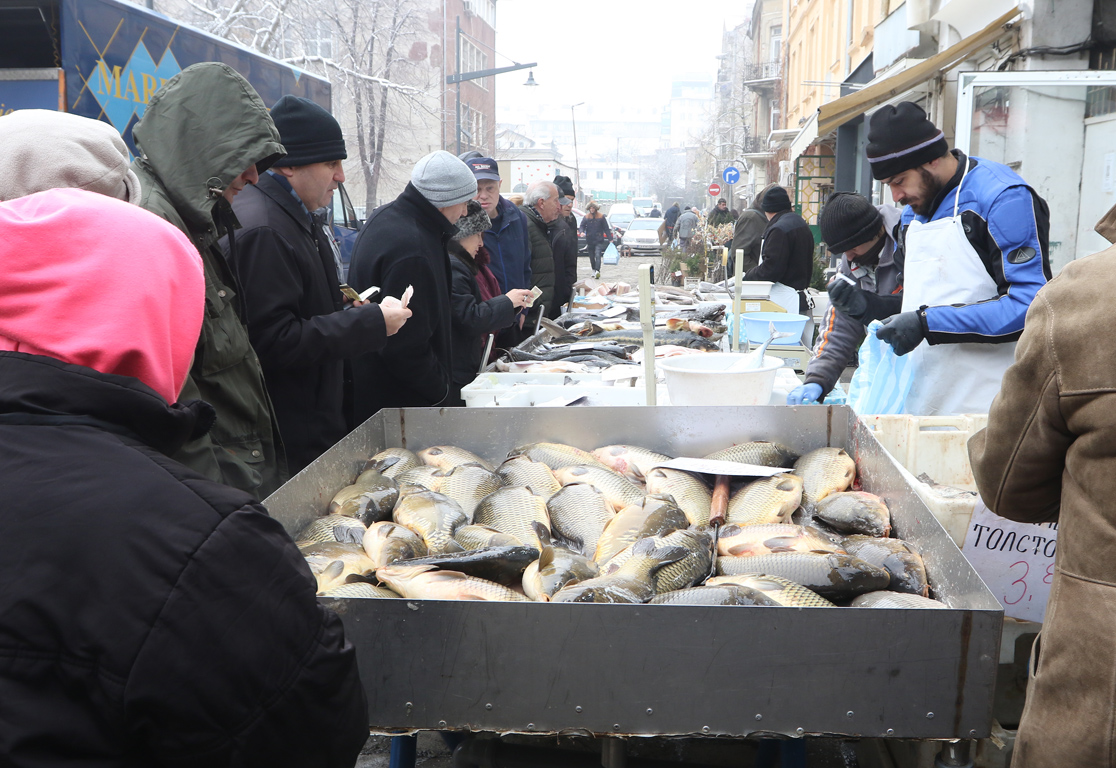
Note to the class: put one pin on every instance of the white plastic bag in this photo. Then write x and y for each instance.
(883, 380)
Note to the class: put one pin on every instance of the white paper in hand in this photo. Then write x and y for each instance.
(407, 294)
(535, 293)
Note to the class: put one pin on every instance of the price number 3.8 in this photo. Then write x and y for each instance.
(1023, 587)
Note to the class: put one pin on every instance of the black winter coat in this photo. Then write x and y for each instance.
(563, 241)
(473, 320)
(149, 616)
(788, 254)
(542, 258)
(404, 243)
(297, 321)
(596, 230)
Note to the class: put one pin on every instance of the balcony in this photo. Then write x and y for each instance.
(764, 75)
(755, 145)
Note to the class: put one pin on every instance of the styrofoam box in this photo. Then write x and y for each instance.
(484, 389)
(533, 396)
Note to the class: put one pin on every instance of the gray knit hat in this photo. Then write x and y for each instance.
(473, 222)
(443, 179)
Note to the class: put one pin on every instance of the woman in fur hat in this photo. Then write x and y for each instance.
(478, 307)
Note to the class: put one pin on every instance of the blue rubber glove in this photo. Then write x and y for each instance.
(805, 394)
(903, 332)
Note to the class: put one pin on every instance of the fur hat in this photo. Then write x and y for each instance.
(473, 222)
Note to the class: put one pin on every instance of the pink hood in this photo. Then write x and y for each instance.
(94, 281)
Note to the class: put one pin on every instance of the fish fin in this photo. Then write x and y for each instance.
(643, 547)
(333, 570)
(348, 534)
(542, 532)
(546, 557)
(780, 543)
(787, 484)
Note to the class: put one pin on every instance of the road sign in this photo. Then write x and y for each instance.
(731, 175)
(714, 189)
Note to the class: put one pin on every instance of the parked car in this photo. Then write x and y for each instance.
(582, 245)
(620, 215)
(643, 205)
(641, 238)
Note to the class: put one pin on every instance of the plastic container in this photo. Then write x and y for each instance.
(705, 379)
(757, 327)
(487, 388)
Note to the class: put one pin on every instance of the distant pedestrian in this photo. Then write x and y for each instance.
(721, 214)
(671, 219)
(655, 213)
(403, 246)
(597, 236)
(687, 224)
(478, 306)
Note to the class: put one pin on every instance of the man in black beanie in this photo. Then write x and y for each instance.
(563, 239)
(302, 328)
(868, 286)
(974, 237)
(787, 256)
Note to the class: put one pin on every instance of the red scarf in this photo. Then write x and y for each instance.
(486, 281)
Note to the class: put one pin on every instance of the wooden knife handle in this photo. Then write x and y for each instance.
(719, 506)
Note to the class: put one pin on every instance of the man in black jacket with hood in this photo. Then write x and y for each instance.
(287, 264)
(403, 245)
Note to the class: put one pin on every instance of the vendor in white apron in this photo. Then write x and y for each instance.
(786, 254)
(975, 244)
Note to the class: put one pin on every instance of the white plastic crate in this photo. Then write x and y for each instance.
(487, 388)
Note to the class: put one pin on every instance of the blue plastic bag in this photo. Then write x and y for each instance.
(611, 255)
(883, 380)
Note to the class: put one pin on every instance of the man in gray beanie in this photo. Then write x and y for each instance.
(300, 325)
(869, 286)
(403, 245)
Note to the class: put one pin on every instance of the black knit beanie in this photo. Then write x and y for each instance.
(308, 132)
(900, 138)
(565, 185)
(848, 220)
(775, 200)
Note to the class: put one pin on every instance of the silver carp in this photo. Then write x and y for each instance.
(853, 512)
(448, 457)
(718, 594)
(767, 501)
(619, 491)
(897, 557)
(525, 471)
(517, 512)
(691, 495)
(836, 577)
(579, 514)
(434, 517)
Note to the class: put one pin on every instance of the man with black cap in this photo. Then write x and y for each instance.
(563, 240)
(868, 287)
(402, 249)
(787, 256)
(975, 240)
(288, 267)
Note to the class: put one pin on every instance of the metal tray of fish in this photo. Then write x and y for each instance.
(666, 670)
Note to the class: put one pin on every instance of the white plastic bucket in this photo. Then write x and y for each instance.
(705, 379)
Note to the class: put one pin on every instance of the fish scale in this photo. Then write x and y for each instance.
(830, 575)
(619, 491)
(449, 456)
(631, 461)
(467, 484)
(691, 495)
(525, 471)
(767, 501)
(579, 514)
(782, 591)
(326, 529)
(762, 452)
(554, 455)
(824, 471)
(515, 511)
(424, 582)
(432, 516)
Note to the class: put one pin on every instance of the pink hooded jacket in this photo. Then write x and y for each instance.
(94, 281)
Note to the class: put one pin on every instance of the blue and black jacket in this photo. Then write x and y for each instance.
(1008, 225)
(510, 249)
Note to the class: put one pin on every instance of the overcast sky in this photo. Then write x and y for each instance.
(598, 51)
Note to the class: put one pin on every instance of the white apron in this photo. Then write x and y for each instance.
(942, 268)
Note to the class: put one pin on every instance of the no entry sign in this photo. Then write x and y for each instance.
(714, 189)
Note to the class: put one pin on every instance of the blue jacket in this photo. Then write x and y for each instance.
(509, 248)
(1008, 225)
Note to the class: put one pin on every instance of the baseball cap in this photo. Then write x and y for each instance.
(484, 168)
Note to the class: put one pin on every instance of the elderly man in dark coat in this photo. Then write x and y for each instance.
(403, 247)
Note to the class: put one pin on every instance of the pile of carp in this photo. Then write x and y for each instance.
(556, 523)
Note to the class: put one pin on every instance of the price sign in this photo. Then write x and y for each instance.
(714, 189)
(1016, 561)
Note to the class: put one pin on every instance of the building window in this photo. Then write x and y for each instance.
(585, 175)
(631, 175)
(473, 59)
(616, 174)
(600, 174)
(775, 48)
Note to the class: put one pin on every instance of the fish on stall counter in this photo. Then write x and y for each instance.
(680, 324)
(617, 489)
(482, 536)
(767, 501)
(660, 337)
(824, 471)
(691, 494)
(654, 516)
(714, 594)
(334, 562)
(749, 540)
(467, 484)
(833, 576)
(578, 516)
(425, 582)
(434, 517)
(387, 542)
(393, 461)
(631, 461)
(503, 565)
(855, 512)
(426, 476)
(523, 470)
(782, 591)
(554, 455)
(333, 528)
(897, 557)
(633, 582)
(360, 589)
(555, 568)
(519, 512)
(761, 452)
(369, 499)
(690, 570)
(449, 456)
(888, 599)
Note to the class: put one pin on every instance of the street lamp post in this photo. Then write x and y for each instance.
(461, 77)
(577, 162)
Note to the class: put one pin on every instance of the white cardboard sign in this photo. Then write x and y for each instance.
(1016, 561)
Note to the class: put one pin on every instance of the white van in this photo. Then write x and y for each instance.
(643, 205)
(620, 215)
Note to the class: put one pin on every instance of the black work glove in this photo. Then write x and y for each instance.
(903, 332)
(847, 299)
